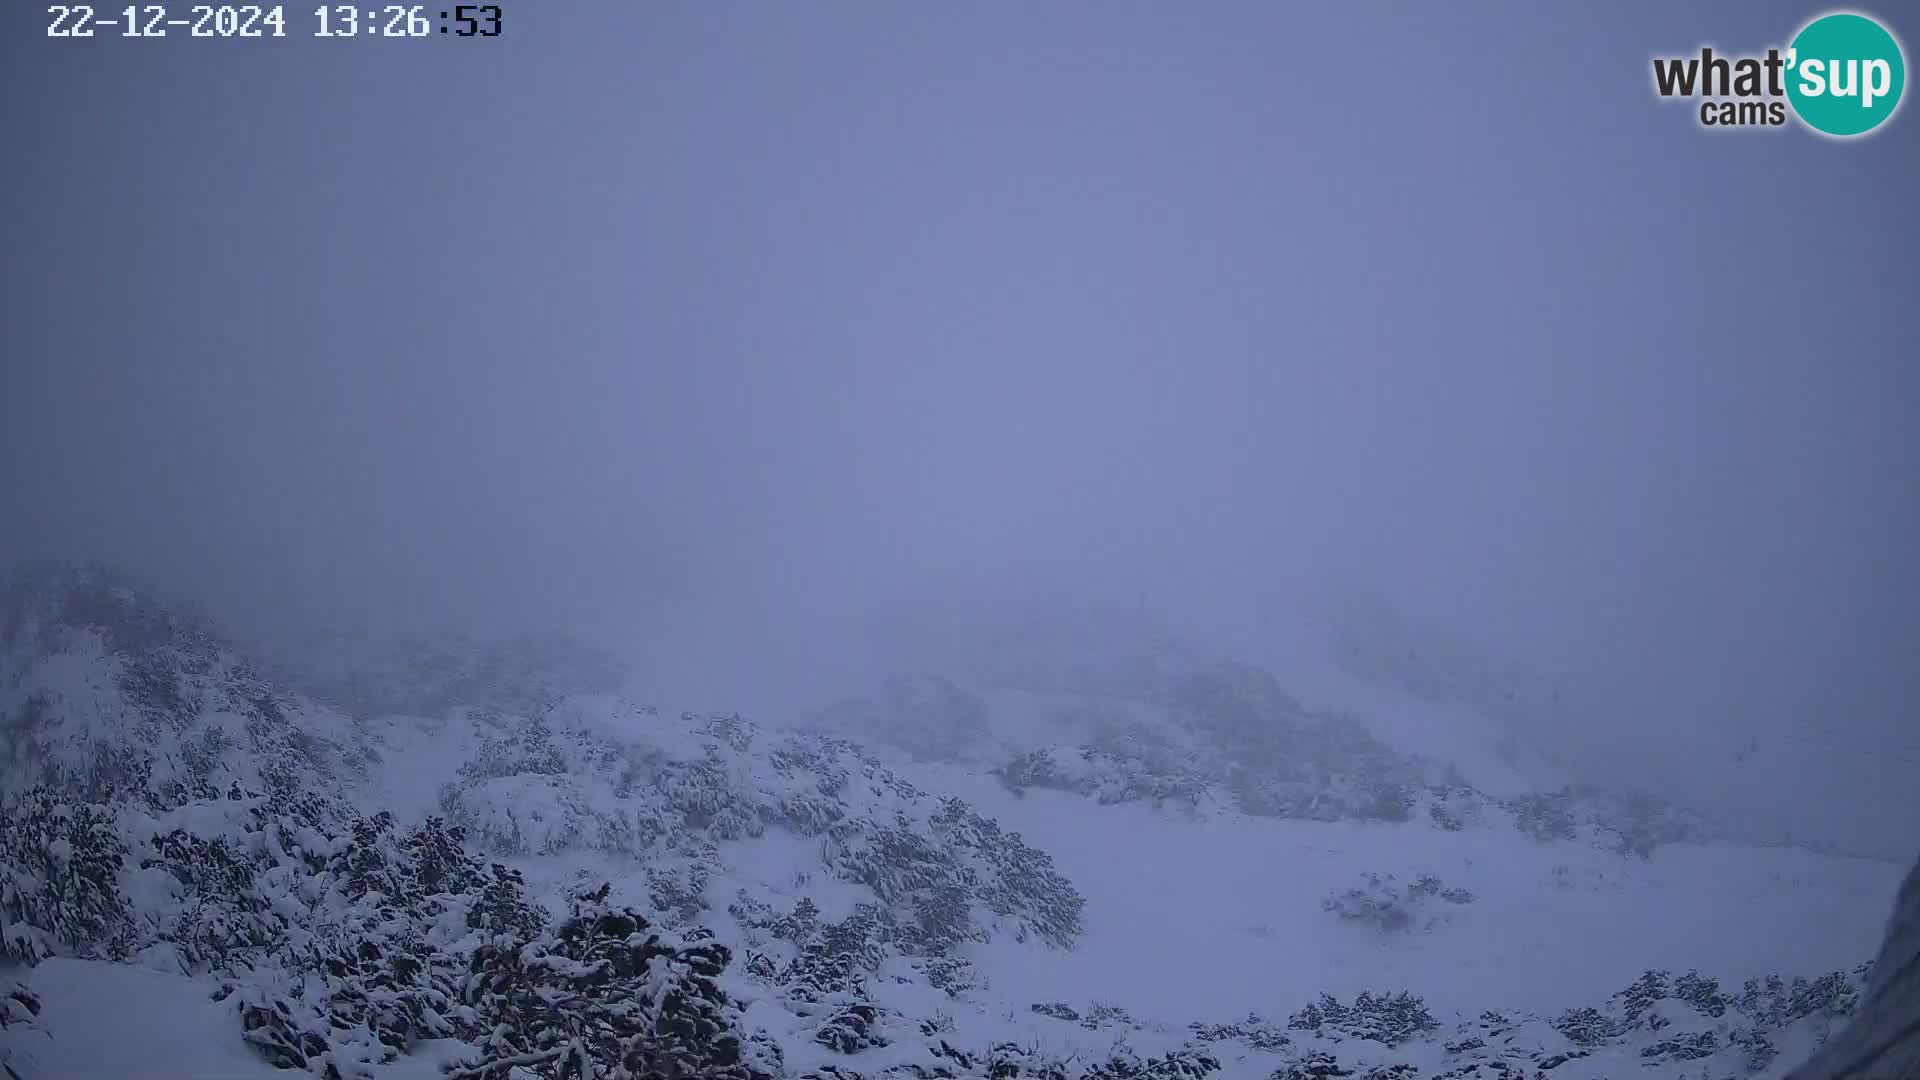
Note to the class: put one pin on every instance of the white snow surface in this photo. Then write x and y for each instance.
(1250, 891)
(130, 1023)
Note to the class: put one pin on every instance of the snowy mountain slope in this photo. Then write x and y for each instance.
(606, 776)
(823, 907)
(1211, 736)
(1306, 656)
(109, 696)
(1069, 680)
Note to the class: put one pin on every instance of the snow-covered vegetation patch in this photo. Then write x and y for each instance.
(611, 777)
(1386, 904)
(1226, 734)
(605, 992)
(59, 878)
(335, 935)
(1227, 738)
(341, 943)
(1629, 825)
(1118, 771)
(1129, 769)
(1388, 1019)
(1680, 1026)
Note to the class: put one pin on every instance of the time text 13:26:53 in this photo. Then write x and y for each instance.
(407, 20)
(259, 21)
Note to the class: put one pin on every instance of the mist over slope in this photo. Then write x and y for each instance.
(1069, 857)
(1120, 711)
(427, 674)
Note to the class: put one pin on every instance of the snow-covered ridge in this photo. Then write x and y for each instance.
(1218, 736)
(113, 697)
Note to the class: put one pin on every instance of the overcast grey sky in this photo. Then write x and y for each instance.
(724, 328)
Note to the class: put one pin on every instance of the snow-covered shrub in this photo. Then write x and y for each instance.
(1648, 990)
(1588, 1026)
(605, 994)
(1390, 1019)
(1774, 1002)
(1122, 761)
(1545, 817)
(1387, 905)
(1638, 1003)
(950, 974)
(1376, 904)
(1101, 1014)
(1453, 806)
(1427, 885)
(1316, 1065)
(1689, 1047)
(218, 917)
(1012, 1061)
(60, 868)
(1758, 1046)
(520, 746)
(796, 925)
(1011, 878)
(339, 935)
(851, 1029)
(1464, 1045)
(1703, 993)
(910, 872)
(1627, 825)
(1255, 1032)
(812, 959)
(258, 879)
(1181, 1064)
(375, 965)
(839, 957)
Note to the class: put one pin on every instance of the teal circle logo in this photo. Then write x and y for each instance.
(1845, 73)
